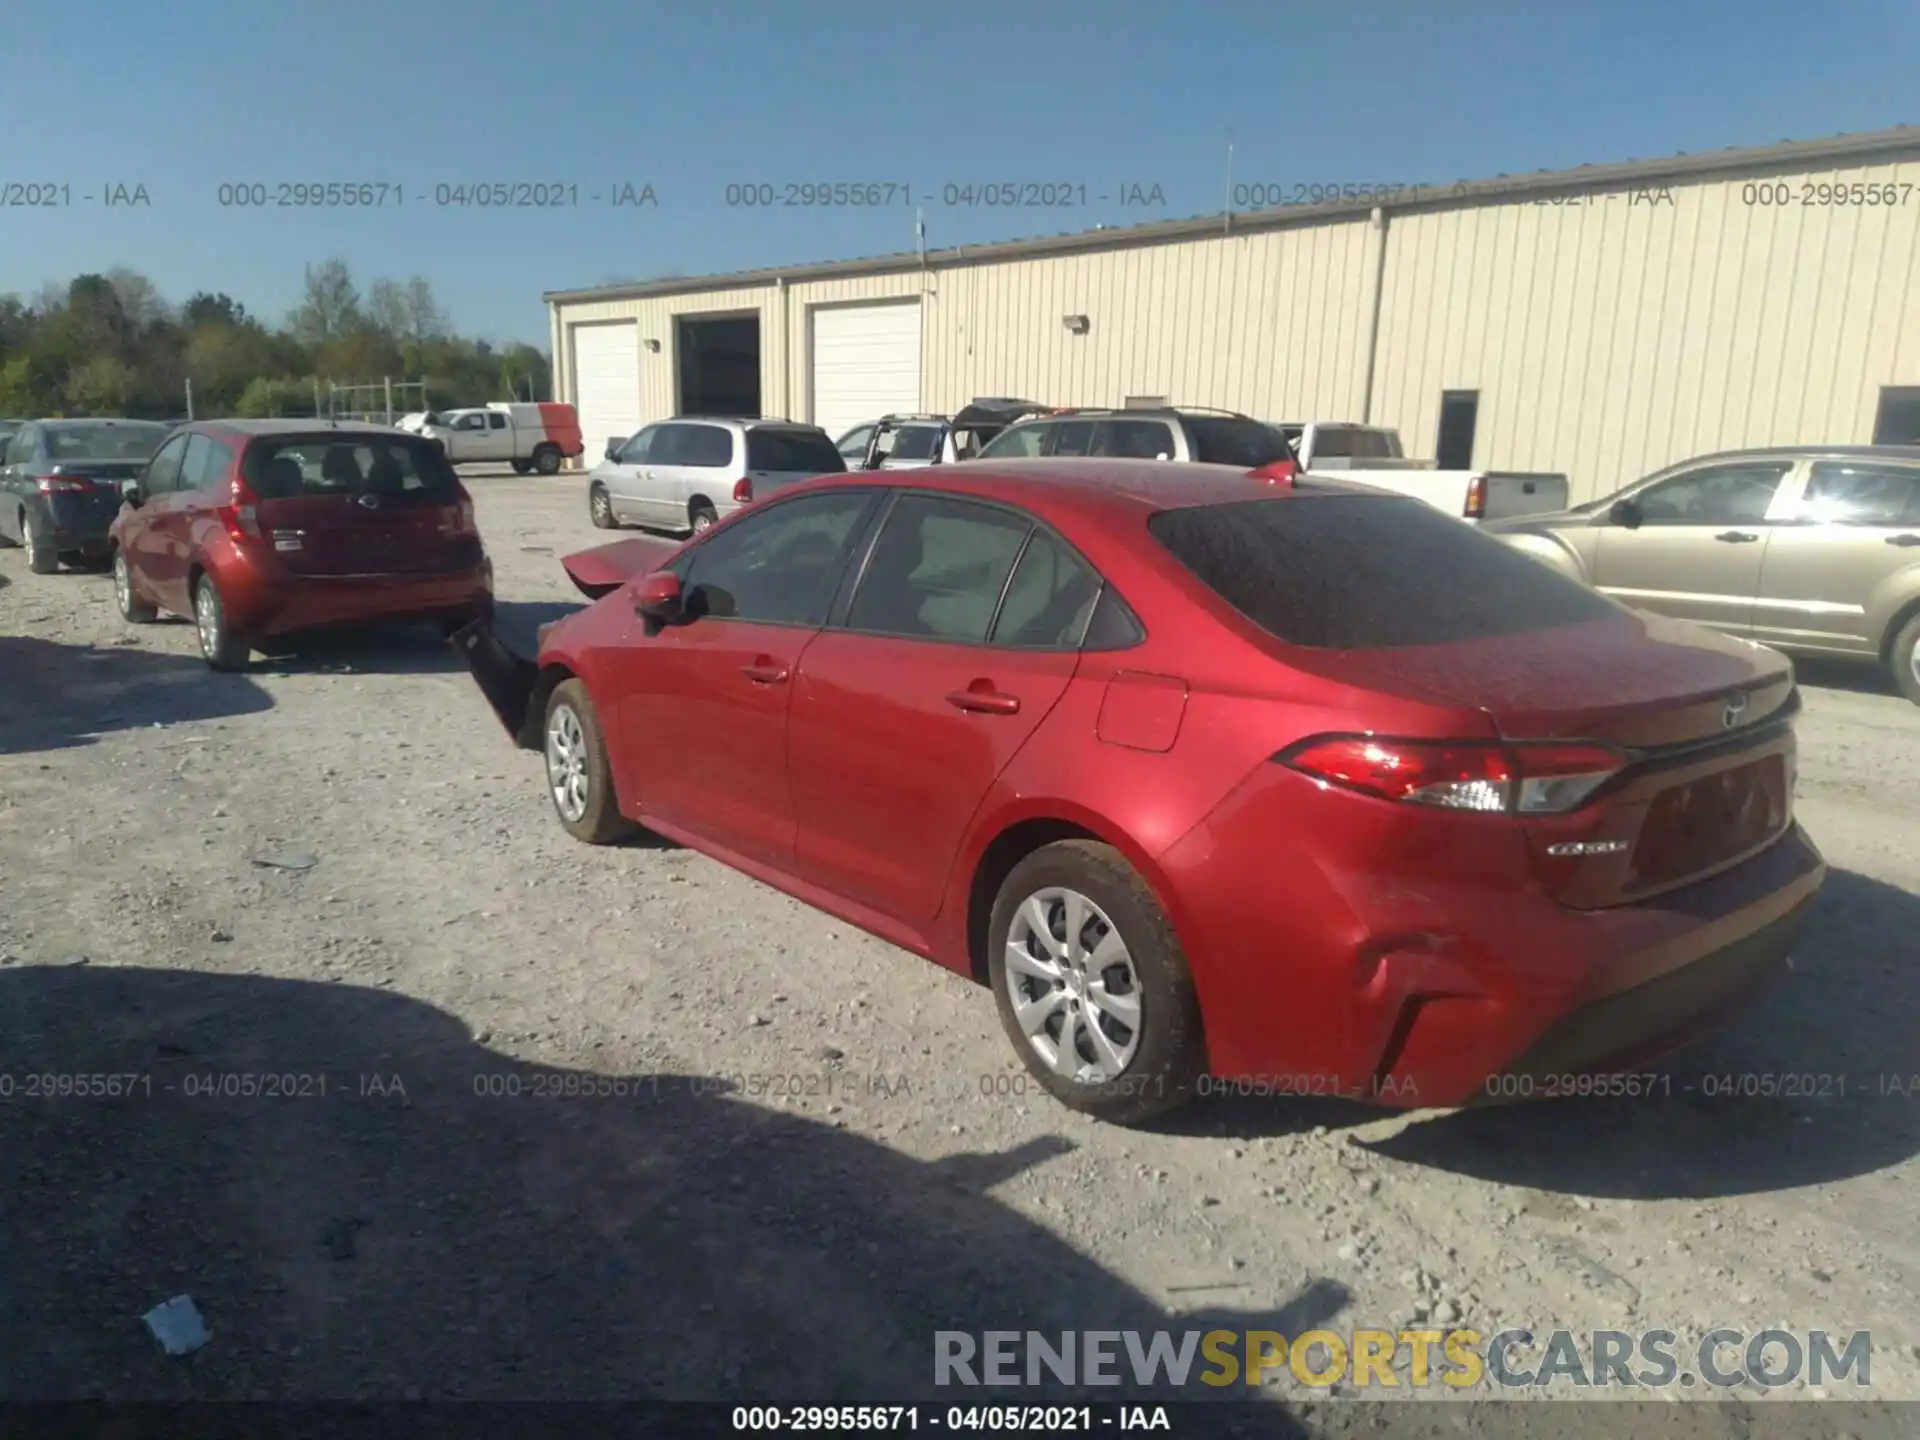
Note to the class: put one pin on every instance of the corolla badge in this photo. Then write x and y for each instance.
(370, 502)
(1734, 711)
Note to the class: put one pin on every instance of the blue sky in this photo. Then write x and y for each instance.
(597, 94)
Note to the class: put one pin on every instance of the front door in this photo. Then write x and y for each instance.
(905, 716)
(702, 703)
(1697, 552)
(144, 536)
(1855, 527)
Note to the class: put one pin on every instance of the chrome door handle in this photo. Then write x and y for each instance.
(1735, 537)
(765, 671)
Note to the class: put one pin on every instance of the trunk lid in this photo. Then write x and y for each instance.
(1702, 724)
(605, 568)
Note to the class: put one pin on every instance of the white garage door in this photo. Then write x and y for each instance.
(606, 384)
(866, 363)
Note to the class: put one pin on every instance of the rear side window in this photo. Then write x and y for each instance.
(286, 467)
(937, 570)
(1022, 442)
(1362, 572)
(1246, 444)
(1073, 437)
(1852, 493)
(793, 452)
(1050, 598)
(1135, 440)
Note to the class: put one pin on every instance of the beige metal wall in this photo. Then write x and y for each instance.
(1612, 335)
(1606, 336)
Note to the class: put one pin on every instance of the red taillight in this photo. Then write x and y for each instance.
(241, 515)
(743, 491)
(457, 518)
(1477, 498)
(1280, 472)
(1459, 774)
(61, 484)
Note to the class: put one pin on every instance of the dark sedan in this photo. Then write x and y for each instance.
(60, 486)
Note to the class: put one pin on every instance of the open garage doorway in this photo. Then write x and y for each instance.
(718, 360)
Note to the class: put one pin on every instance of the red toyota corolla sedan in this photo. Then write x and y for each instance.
(257, 528)
(1306, 789)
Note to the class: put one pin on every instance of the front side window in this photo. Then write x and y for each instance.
(634, 452)
(1722, 495)
(471, 422)
(780, 565)
(206, 463)
(1021, 442)
(937, 570)
(853, 445)
(1853, 493)
(163, 471)
(916, 442)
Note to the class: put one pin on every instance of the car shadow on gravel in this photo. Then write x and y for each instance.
(55, 696)
(412, 1214)
(518, 622)
(395, 649)
(1818, 1082)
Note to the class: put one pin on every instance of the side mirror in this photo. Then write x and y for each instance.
(1627, 513)
(659, 597)
(130, 491)
(613, 448)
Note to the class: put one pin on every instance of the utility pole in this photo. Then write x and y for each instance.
(189, 397)
(388, 381)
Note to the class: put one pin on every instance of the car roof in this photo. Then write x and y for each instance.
(745, 421)
(309, 426)
(1101, 483)
(1783, 452)
(68, 421)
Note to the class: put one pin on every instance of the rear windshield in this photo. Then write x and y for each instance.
(293, 465)
(1353, 443)
(1245, 443)
(103, 442)
(793, 451)
(1365, 572)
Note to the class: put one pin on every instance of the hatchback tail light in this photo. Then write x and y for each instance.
(61, 484)
(241, 514)
(743, 490)
(1477, 498)
(1459, 774)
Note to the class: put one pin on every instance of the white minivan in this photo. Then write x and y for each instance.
(687, 473)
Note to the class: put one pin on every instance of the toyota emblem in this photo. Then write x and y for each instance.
(372, 502)
(1733, 711)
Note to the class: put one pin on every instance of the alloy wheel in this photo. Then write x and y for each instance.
(567, 764)
(602, 508)
(122, 584)
(702, 521)
(206, 618)
(1075, 991)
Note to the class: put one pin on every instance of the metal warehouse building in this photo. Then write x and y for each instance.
(1602, 321)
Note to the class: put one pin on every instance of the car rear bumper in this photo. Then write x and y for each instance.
(263, 599)
(1443, 976)
(506, 679)
(80, 522)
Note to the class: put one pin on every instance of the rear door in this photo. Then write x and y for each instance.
(783, 455)
(1833, 562)
(343, 504)
(1697, 553)
(201, 485)
(906, 712)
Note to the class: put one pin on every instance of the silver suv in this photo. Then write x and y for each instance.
(1209, 437)
(686, 473)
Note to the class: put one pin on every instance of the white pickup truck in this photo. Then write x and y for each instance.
(528, 437)
(1373, 455)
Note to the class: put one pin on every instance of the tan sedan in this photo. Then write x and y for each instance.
(1814, 550)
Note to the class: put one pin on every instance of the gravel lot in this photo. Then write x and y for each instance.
(453, 1218)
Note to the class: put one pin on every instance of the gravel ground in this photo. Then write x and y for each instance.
(435, 1203)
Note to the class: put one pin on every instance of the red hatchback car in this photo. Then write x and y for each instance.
(258, 528)
(1313, 790)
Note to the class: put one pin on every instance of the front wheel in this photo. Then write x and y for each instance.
(579, 779)
(133, 609)
(1092, 985)
(1903, 659)
(600, 507)
(220, 647)
(547, 460)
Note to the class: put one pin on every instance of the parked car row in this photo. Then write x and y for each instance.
(251, 528)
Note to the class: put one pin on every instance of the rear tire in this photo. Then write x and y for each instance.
(1124, 961)
(546, 459)
(42, 558)
(1903, 658)
(220, 647)
(133, 609)
(600, 507)
(579, 779)
(701, 517)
